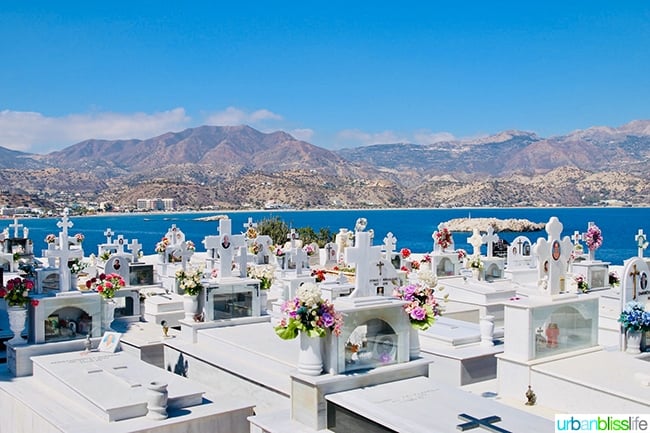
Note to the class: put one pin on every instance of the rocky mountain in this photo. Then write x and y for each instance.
(238, 166)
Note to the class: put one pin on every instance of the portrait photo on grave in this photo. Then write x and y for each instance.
(109, 342)
(556, 250)
(226, 242)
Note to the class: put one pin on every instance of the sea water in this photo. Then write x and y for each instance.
(413, 228)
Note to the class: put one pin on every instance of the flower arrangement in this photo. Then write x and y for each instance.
(405, 253)
(462, 254)
(190, 281)
(426, 258)
(255, 248)
(415, 265)
(76, 266)
(308, 312)
(161, 246)
(50, 238)
(634, 317)
(614, 279)
(79, 237)
(279, 252)
(265, 274)
(475, 262)
(319, 275)
(593, 237)
(583, 286)
(105, 255)
(309, 250)
(106, 284)
(16, 292)
(422, 306)
(443, 237)
(251, 233)
(189, 245)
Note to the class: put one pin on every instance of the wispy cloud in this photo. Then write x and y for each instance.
(427, 137)
(236, 116)
(36, 133)
(304, 134)
(356, 137)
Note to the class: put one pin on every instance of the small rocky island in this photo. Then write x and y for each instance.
(499, 225)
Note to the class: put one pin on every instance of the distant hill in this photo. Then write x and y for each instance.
(238, 166)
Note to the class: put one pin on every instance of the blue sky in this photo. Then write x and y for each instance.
(336, 74)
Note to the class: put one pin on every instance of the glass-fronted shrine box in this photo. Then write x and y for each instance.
(231, 298)
(68, 316)
(550, 328)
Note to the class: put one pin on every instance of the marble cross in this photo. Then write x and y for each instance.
(363, 255)
(476, 240)
(390, 243)
(292, 236)
(641, 242)
(250, 224)
(553, 255)
(64, 253)
(300, 256)
(135, 249)
(211, 244)
(15, 226)
(577, 237)
(184, 253)
(227, 243)
(64, 225)
(109, 235)
(174, 238)
(490, 238)
(120, 244)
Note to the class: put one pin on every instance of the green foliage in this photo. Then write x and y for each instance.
(277, 229)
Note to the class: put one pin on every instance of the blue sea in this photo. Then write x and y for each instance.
(413, 228)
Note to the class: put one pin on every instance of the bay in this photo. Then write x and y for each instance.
(413, 228)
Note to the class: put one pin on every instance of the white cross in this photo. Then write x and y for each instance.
(250, 224)
(363, 255)
(476, 240)
(15, 226)
(292, 236)
(489, 239)
(135, 249)
(390, 243)
(184, 254)
(109, 235)
(120, 244)
(64, 253)
(227, 243)
(553, 255)
(641, 242)
(577, 237)
(300, 256)
(211, 244)
(64, 225)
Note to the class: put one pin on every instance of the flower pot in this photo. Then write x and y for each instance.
(310, 358)
(264, 298)
(414, 343)
(157, 396)
(190, 305)
(108, 314)
(486, 325)
(476, 272)
(74, 281)
(17, 316)
(633, 342)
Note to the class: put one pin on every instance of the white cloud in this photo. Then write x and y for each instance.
(36, 133)
(232, 116)
(428, 137)
(356, 137)
(304, 134)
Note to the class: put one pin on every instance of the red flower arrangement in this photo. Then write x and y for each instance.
(405, 253)
(443, 237)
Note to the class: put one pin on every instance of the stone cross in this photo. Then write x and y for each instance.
(242, 261)
(227, 243)
(64, 253)
(487, 423)
(211, 244)
(64, 225)
(363, 255)
(15, 226)
(476, 240)
(135, 249)
(292, 236)
(250, 224)
(120, 244)
(184, 253)
(634, 273)
(109, 235)
(390, 243)
(641, 242)
(300, 256)
(553, 256)
(489, 239)
(577, 237)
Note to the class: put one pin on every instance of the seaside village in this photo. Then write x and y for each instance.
(234, 333)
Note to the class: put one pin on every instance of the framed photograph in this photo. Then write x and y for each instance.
(109, 342)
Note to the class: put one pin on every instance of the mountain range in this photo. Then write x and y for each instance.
(238, 166)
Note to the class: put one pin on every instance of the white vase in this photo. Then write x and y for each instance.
(486, 325)
(414, 343)
(108, 314)
(17, 316)
(190, 305)
(157, 396)
(592, 255)
(264, 298)
(633, 340)
(74, 281)
(310, 358)
(476, 273)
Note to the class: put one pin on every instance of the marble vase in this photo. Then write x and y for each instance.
(310, 357)
(414, 343)
(157, 398)
(17, 317)
(633, 340)
(108, 314)
(190, 305)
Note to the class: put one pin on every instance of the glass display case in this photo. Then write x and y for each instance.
(227, 300)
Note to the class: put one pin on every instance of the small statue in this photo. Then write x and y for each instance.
(531, 398)
(88, 344)
(165, 328)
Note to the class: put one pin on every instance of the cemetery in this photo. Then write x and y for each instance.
(247, 335)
